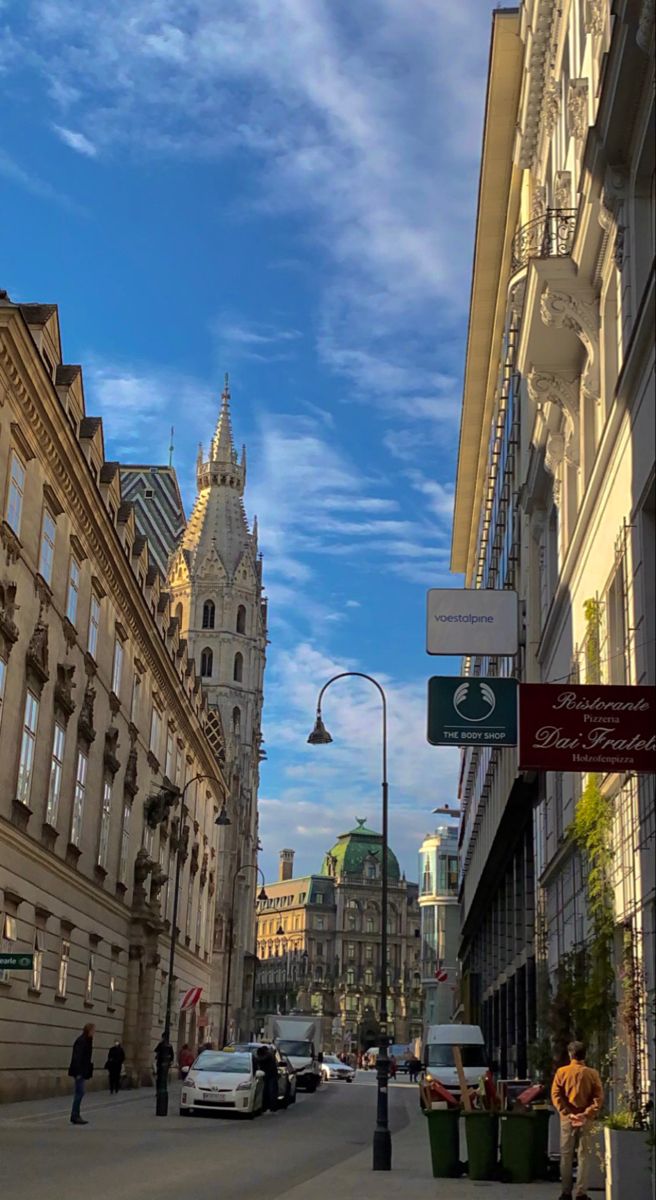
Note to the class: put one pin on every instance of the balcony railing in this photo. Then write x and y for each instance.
(549, 236)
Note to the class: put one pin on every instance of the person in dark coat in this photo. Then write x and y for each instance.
(114, 1066)
(265, 1060)
(81, 1069)
(163, 1054)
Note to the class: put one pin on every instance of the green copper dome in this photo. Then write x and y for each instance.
(358, 852)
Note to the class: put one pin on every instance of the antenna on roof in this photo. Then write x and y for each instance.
(171, 448)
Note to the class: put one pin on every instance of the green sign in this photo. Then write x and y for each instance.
(465, 710)
(16, 962)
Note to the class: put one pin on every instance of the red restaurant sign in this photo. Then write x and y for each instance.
(585, 727)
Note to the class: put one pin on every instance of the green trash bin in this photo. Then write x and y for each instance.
(482, 1129)
(541, 1142)
(518, 1136)
(443, 1134)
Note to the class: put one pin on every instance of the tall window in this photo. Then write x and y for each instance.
(94, 625)
(155, 730)
(238, 669)
(178, 614)
(56, 765)
(427, 878)
(190, 902)
(125, 844)
(26, 762)
(3, 676)
(369, 977)
(15, 493)
(73, 590)
(350, 977)
(136, 699)
(170, 755)
(117, 669)
(208, 614)
(617, 628)
(91, 978)
(236, 721)
(47, 548)
(206, 663)
(37, 960)
(105, 818)
(241, 619)
(78, 797)
(8, 930)
(62, 974)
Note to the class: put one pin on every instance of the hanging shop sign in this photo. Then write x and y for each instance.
(471, 621)
(586, 727)
(465, 710)
(189, 998)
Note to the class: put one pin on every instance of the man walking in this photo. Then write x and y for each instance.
(81, 1069)
(578, 1095)
(114, 1066)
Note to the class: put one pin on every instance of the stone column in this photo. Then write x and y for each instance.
(131, 1020)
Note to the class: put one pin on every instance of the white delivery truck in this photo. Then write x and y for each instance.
(438, 1060)
(299, 1037)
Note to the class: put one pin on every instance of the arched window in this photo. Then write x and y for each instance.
(206, 662)
(238, 669)
(241, 619)
(178, 613)
(208, 614)
(350, 977)
(369, 978)
(236, 721)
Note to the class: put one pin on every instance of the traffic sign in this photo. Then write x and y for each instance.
(465, 710)
(441, 975)
(16, 962)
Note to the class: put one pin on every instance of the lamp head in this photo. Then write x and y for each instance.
(280, 931)
(262, 895)
(319, 735)
(223, 818)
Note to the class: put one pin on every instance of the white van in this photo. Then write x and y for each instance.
(439, 1063)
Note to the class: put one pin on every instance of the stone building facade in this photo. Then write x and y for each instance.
(101, 706)
(319, 944)
(555, 498)
(438, 906)
(215, 579)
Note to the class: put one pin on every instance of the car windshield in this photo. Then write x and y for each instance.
(332, 1058)
(442, 1056)
(296, 1049)
(223, 1062)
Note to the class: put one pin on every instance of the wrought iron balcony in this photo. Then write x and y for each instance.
(549, 236)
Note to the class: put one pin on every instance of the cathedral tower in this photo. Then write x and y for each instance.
(215, 579)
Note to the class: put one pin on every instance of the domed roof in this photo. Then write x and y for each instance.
(352, 850)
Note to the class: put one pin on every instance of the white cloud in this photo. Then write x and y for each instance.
(353, 604)
(16, 174)
(76, 140)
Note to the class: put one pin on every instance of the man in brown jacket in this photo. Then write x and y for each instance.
(578, 1095)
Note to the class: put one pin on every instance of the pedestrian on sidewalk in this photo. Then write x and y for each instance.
(185, 1059)
(114, 1066)
(81, 1069)
(392, 1067)
(577, 1093)
(265, 1060)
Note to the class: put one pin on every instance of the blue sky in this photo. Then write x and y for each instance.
(284, 189)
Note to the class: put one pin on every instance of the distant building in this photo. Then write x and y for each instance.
(158, 509)
(319, 943)
(438, 904)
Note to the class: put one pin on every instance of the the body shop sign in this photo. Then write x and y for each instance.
(583, 727)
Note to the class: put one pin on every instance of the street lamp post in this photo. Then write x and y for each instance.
(382, 1143)
(155, 815)
(231, 926)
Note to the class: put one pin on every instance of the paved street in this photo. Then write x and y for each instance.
(319, 1148)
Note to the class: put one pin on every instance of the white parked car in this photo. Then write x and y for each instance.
(223, 1080)
(332, 1067)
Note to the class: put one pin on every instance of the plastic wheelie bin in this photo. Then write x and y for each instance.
(443, 1134)
(482, 1129)
(541, 1142)
(518, 1134)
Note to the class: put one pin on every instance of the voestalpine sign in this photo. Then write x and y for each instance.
(471, 621)
(466, 710)
(585, 727)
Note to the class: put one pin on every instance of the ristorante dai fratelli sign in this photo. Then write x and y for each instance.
(585, 727)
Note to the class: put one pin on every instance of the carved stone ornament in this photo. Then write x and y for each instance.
(577, 109)
(85, 719)
(70, 633)
(563, 189)
(595, 17)
(553, 460)
(211, 885)
(37, 650)
(562, 311)
(130, 784)
(547, 388)
(111, 748)
(157, 880)
(539, 203)
(195, 851)
(203, 869)
(143, 865)
(551, 105)
(64, 689)
(12, 544)
(8, 606)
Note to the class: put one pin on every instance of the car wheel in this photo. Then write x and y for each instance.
(349, 1079)
(311, 1085)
